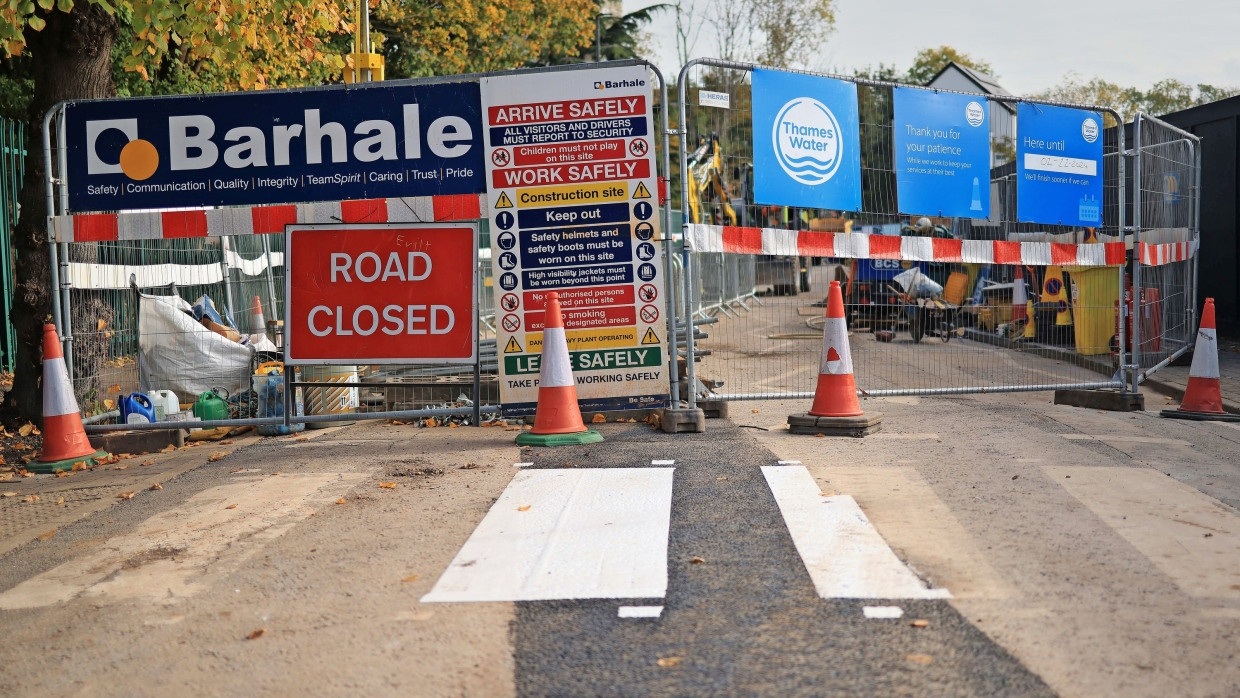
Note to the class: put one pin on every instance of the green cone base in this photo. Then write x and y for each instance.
(35, 466)
(589, 436)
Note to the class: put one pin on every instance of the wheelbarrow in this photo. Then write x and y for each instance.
(929, 316)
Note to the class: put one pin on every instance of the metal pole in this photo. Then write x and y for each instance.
(669, 283)
(1121, 308)
(1136, 250)
(228, 297)
(50, 196)
(66, 303)
(271, 282)
(682, 88)
(1196, 193)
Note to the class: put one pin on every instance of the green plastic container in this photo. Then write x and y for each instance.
(210, 407)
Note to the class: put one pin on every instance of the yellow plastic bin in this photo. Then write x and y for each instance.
(327, 400)
(1095, 293)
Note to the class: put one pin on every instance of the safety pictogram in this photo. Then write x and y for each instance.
(638, 147)
(647, 293)
(512, 347)
(641, 192)
(649, 313)
(650, 337)
(511, 323)
(500, 157)
(503, 201)
(509, 302)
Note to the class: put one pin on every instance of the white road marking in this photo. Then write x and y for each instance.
(640, 611)
(1191, 537)
(586, 533)
(845, 557)
(789, 462)
(178, 552)
(663, 462)
(521, 465)
(882, 612)
(1125, 438)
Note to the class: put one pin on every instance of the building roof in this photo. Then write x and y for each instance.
(986, 84)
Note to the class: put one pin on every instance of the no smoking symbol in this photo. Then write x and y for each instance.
(500, 157)
(511, 323)
(647, 293)
(509, 301)
(638, 147)
(649, 313)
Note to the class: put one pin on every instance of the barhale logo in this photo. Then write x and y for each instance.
(807, 142)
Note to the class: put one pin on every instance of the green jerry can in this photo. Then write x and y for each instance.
(210, 407)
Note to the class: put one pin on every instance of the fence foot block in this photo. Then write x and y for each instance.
(138, 440)
(682, 420)
(1112, 400)
(835, 426)
(714, 409)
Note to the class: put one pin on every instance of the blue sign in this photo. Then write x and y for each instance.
(358, 142)
(1058, 165)
(534, 279)
(806, 148)
(567, 131)
(570, 215)
(942, 153)
(573, 246)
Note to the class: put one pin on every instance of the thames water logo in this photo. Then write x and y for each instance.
(974, 114)
(807, 142)
(1089, 130)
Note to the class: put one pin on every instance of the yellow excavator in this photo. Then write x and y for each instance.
(710, 201)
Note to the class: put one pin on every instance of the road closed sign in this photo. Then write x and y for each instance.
(374, 294)
(571, 184)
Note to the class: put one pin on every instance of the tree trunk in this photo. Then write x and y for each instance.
(72, 59)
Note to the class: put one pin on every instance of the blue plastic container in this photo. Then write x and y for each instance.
(137, 408)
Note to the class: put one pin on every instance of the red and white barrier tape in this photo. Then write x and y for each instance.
(774, 241)
(1166, 253)
(157, 225)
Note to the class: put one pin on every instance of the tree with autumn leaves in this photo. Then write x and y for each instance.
(87, 49)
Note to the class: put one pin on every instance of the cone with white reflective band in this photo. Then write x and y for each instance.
(1203, 398)
(836, 410)
(258, 323)
(1019, 297)
(557, 418)
(64, 438)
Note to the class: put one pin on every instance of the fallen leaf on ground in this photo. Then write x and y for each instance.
(255, 634)
(340, 501)
(27, 459)
(513, 428)
(412, 578)
(25, 429)
(168, 449)
(598, 418)
(696, 560)
(470, 466)
(430, 422)
(216, 456)
(919, 658)
(124, 456)
(30, 499)
(388, 485)
(47, 535)
(820, 436)
(669, 661)
(62, 473)
(722, 477)
(80, 465)
(755, 411)
(121, 467)
(920, 623)
(8, 494)
(1, 460)
(20, 447)
(125, 495)
(109, 404)
(231, 506)
(226, 442)
(60, 500)
(100, 324)
(299, 439)
(157, 486)
(524, 508)
(147, 462)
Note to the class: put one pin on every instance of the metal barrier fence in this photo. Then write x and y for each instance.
(12, 169)
(122, 305)
(762, 272)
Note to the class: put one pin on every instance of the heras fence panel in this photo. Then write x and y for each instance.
(12, 168)
(134, 286)
(937, 302)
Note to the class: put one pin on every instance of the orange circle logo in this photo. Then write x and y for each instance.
(139, 159)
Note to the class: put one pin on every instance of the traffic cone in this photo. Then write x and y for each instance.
(1203, 398)
(1020, 302)
(258, 324)
(557, 418)
(835, 411)
(64, 439)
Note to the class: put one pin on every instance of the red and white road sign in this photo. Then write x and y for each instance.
(370, 294)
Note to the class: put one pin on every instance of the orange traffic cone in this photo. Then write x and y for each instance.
(1020, 301)
(64, 439)
(1203, 398)
(258, 324)
(836, 410)
(557, 419)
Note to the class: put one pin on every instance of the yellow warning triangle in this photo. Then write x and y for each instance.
(504, 201)
(512, 347)
(650, 337)
(641, 192)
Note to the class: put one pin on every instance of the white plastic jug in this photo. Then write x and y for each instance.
(166, 403)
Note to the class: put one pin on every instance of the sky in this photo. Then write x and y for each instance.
(1030, 45)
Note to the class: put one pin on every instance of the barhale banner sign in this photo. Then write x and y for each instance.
(246, 148)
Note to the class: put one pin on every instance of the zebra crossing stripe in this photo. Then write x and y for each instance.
(845, 556)
(586, 533)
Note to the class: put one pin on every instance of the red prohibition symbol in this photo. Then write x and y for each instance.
(511, 323)
(647, 293)
(649, 314)
(509, 301)
(500, 157)
(638, 147)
